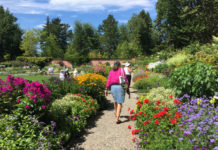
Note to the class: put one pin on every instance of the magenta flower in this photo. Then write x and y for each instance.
(18, 101)
(27, 106)
(43, 107)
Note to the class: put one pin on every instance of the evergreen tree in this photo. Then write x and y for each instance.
(109, 36)
(29, 43)
(10, 35)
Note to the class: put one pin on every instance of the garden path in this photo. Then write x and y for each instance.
(105, 134)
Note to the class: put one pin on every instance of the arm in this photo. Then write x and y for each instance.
(108, 83)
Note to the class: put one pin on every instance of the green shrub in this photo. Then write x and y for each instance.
(72, 111)
(152, 81)
(195, 79)
(162, 94)
(161, 68)
(27, 134)
(178, 59)
(60, 88)
(39, 61)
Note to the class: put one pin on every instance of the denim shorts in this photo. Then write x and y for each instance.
(118, 93)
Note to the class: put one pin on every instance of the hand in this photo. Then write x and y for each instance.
(106, 92)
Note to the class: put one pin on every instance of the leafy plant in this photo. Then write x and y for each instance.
(178, 59)
(151, 81)
(196, 79)
(30, 133)
(161, 68)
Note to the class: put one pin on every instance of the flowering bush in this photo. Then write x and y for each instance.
(71, 112)
(35, 99)
(93, 85)
(9, 91)
(27, 134)
(154, 120)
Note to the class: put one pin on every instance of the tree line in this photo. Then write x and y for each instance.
(178, 24)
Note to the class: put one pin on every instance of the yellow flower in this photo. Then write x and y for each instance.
(199, 101)
(212, 101)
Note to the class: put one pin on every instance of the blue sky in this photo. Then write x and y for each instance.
(33, 13)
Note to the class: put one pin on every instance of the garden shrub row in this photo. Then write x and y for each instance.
(39, 61)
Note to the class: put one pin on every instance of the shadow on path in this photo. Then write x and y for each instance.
(75, 142)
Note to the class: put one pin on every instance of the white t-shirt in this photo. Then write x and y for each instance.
(126, 71)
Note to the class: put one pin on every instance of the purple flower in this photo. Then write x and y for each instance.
(212, 140)
(181, 139)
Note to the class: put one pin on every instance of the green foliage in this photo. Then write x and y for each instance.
(39, 61)
(165, 95)
(178, 59)
(109, 35)
(29, 43)
(183, 22)
(161, 68)
(72, 111)
(196, 79)
(60, 88)
(27, 134)
(10, 35)
(152, 81)
(141, 30)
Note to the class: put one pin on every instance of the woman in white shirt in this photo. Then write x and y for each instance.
(128, 71)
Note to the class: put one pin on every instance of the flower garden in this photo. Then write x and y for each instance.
(176, 109)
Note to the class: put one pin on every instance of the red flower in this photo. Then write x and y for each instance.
(156, 122)
(146, 101)
(158, 102)
(140, 113)
(134, 139)
(132, 111)
(146, 76)
(135, 131)
(173, 121)
(168, 115)
(133, 118)
(129, 126)
(178, 115)
(156, 108)
(163, 103)
(144, 113)
(171, 96)
(138, 102)
(129, 117)
(128, 108)
(166, 108)
(146, 122)
(176, 101)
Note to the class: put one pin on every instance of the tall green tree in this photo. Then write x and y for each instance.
(141, 29)
(29, 43)
(109, 35)
(58, 29)
(85, 38)
(181, 22)
(10, 35)
(52, 47)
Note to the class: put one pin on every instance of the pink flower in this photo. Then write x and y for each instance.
(27, 106)
(43, 107)
(18, 101)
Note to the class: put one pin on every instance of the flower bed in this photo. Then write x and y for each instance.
(190, 125)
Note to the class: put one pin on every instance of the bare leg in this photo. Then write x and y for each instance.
(115, 108)
(119, 107)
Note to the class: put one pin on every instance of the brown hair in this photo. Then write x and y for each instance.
(116, 65)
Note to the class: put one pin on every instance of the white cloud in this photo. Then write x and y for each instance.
(40, 26)
(34, 7)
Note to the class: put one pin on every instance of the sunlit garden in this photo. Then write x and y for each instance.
(53, 78)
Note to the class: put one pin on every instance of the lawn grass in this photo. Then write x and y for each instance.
(39, 78)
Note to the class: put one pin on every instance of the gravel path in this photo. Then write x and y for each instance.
(104, 134)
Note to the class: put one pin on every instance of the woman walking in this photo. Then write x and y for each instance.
(117, 90)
